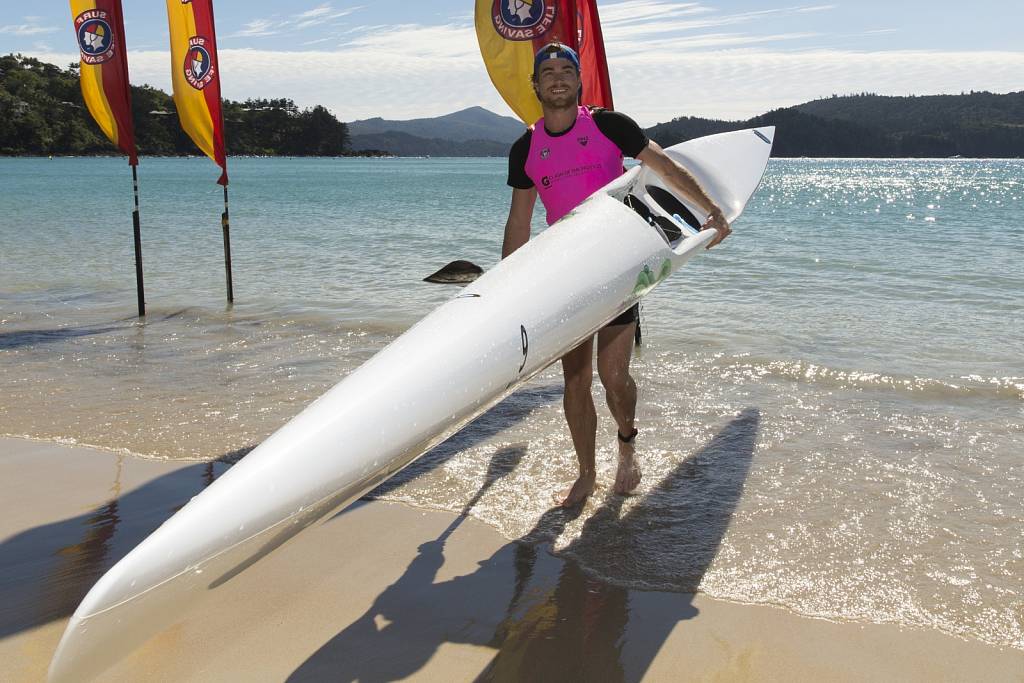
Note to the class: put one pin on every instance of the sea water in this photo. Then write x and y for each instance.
(831, 402)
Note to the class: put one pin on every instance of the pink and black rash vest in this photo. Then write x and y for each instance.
(568, 167)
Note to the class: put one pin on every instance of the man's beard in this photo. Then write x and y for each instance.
(566, 101)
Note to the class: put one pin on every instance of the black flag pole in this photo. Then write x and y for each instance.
(138, 244)
(225, 225)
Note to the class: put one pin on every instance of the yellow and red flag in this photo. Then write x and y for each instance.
(195, 73)
(99, 27)
(511, 31)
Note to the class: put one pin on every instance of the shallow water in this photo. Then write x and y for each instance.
(832, 403)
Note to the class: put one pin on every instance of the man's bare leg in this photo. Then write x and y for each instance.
(578, 370)
(614, 350)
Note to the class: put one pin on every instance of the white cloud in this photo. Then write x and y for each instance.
(30, 29)
(425, 45)
(320, 11)
(318, 16)
(627, 48)
(743, 83)
(644, 10)
(634, 24)
(254, 29)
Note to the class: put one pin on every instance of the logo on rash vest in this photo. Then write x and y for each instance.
(583, 140)
(95, 39)
(522, 19)
(574, 172)
(545, 153)
(198, 65)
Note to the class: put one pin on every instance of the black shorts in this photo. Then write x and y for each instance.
(630, 315)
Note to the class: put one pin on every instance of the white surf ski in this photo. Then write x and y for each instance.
(472, 351)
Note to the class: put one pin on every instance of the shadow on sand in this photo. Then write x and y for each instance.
(546, 616)
(511, 411)
(47, 570)
(22, 338)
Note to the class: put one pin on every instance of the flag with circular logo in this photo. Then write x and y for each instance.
(195, 74)
(511, 31)
(103, 70)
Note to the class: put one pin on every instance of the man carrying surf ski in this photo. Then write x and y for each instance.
(570, 153)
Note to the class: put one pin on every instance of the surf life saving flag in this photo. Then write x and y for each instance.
(195, 73)
(511, 31)
(99, 27)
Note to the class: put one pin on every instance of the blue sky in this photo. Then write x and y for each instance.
(728, 59)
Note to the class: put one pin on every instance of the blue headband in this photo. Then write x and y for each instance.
(555, 51)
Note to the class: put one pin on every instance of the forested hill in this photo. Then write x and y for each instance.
(979, 124)
(42, 112)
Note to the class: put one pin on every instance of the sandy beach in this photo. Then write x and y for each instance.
(384, 591)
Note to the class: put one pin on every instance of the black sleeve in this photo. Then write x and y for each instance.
(517, 177)
(622, 130)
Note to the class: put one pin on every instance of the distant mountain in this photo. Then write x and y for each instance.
(475, 123)
(406, 145)
(978, 124)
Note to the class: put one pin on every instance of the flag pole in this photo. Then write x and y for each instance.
(138, 244)
(106, 91)
(225, 225)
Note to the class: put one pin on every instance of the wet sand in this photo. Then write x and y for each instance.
(384, 592)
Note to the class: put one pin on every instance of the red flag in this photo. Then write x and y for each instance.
(104, 70)
(195, 72)
(597, 86)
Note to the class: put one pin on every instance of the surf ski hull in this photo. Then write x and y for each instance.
(472, 351)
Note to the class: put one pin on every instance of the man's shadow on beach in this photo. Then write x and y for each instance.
(513, 409)
(559, 622)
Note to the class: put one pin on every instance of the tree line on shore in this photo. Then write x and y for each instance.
(42, 112)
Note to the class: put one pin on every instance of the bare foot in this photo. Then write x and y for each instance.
(579, 491)
(628, 476)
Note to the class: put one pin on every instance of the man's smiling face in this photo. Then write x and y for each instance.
(558, 83)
